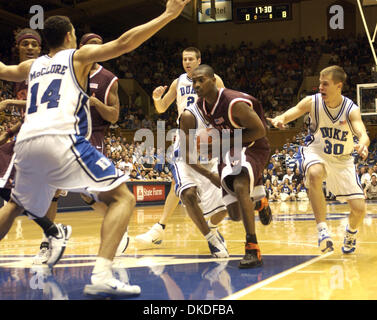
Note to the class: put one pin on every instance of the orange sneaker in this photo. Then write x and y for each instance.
(264, 211)
(252, 258)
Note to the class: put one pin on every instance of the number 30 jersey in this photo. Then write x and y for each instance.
(331, 130)
(56, 104)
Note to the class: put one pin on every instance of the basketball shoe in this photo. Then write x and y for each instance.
(264, 211)
(325, 242)
(214, 228)
(58, 243)
(252, 257)
(43, 254)
(111, 287)
(217, 246)
(153, 236)
(349, 243)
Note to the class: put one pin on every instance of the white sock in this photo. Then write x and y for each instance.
(321, 226)
(209, 235)
(351, 230)
(211, 225)
(44, 239)
(102, 270)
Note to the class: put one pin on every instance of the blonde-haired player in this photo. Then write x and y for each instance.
(334, 121)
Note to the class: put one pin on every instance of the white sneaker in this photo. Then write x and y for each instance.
(349, 242)
(111, 287)
(325, 242)
(153, 236)
(43, 254)
(217, 247)
(123, 245)
(58, 243)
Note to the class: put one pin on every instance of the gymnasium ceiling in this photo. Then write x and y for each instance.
(107, 15)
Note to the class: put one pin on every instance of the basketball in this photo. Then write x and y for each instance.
(204, 136)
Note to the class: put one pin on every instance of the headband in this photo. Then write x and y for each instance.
(28, 36)
(90, 36)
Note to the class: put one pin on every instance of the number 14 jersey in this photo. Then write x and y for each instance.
(56, 104)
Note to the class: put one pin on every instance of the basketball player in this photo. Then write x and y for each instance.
(28, 44)
(104, 103)
(228, 109)
(52, 150)
(334, 120)
(182, 91)
(200, 197)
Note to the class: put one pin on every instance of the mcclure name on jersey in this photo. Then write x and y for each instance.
(55, 68)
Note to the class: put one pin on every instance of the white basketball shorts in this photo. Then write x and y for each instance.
(47, 163)
(209, 195)
(341, 176)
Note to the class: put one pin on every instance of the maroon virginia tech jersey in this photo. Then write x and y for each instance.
(100, 84)
(220, 116)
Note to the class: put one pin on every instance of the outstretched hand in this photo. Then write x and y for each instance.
(175, 7)
(277, 122)
(362, 151)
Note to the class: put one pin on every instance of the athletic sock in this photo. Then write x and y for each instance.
(251, 238)
(322, 226)
(101, 270)
(49, 228)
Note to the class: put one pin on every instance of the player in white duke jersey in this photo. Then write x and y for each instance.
(104, 104)
(52, 150)
(181, 91)
(327, 156)
(201, 198)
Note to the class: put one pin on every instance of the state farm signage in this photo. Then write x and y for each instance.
(149, 192)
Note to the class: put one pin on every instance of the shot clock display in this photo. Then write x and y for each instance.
(262, 13)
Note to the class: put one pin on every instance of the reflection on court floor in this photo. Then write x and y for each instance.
(182, 269)
(180, 279)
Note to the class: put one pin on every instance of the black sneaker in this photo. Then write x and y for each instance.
(252, 258)
(264, 211)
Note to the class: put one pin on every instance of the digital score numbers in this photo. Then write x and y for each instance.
(262, 13)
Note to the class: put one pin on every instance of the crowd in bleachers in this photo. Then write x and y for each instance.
(272, 72)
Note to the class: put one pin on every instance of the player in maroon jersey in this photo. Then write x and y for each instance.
(104, 103)
(240, 169)
(104, 99)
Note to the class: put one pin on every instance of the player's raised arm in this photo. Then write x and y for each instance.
(131, 39)
(15, 73)
(291, 114)
(162, 103)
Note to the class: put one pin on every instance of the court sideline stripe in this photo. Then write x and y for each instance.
(263, 283)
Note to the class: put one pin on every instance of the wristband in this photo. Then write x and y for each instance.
(55, 199)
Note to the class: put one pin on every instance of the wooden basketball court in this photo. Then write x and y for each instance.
(181, 267)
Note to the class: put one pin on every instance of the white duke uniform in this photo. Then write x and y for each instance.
(52, 150)
(331, 143)
(186, 177)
